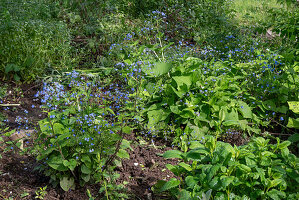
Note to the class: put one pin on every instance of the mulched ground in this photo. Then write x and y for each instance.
(19, 180)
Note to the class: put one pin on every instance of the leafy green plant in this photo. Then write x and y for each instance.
(41, 193)
(185, 97)
(82, 136)
(258, 170)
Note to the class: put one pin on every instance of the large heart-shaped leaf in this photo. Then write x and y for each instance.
(67, 183)
(157, 69)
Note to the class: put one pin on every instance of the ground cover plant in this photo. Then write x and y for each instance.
(251, 171)
(112, 77)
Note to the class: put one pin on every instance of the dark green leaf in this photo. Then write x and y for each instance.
(85, 169)
(67, 183)
(123, 154)
(170, 184)
(173, 154)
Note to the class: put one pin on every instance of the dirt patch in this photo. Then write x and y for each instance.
(144, 168)
(234, 138)
(23, 108)
(19, 179)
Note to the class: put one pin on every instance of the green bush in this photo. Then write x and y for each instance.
(33, 42)
(258, 170)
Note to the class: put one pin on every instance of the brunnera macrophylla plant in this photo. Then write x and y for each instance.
(257, 170)
(82, 138)
(207, 91)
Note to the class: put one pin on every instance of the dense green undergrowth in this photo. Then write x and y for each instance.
(34, 43)
(258, 170)
(182, 71)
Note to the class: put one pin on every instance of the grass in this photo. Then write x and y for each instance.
(252, 12)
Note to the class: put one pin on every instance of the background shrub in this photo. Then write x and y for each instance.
(33, 42)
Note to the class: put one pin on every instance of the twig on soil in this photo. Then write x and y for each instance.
(280, 134)
(31, 88)
(9, 105)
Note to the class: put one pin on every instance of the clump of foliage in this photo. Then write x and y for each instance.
(184, 93)
(33, 41)
(258, 170)
(82, 136)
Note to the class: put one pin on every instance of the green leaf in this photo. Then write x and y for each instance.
(175, 109)
(173, 154)
(190, 181)
(172, 168)
(123, 154)
(222, 113)
(294, 138)
(244, 168)
(56, 162)
(58, 128)
(9, 68)
(214, 183)
(86, 159)
(173, 182)
(284, 144)
(197, 154)
(207, 195)
(85, 177)
(294, 106)
(293, 123)
(275, 182)
(276, 195)
(187, 113)
(25, 194)
(230, 123)
(184, 195)
(44, 125)
(183, 80)
(67, 183)
(245, 110)
(125, 144)
(157, 69)
(269, 105)
(71, 164)
(185, 166)
(127, 130)
(155, 116)
(231, 118)
(212, 172)
(195, 145)
(85, 169)
(226, 180)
